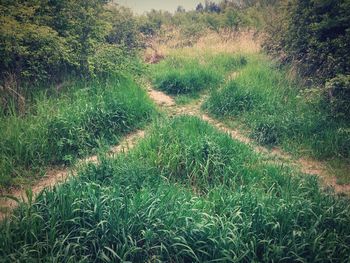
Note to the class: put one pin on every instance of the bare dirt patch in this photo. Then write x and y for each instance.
(160, 98)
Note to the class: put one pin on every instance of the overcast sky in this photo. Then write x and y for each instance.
(140, 6)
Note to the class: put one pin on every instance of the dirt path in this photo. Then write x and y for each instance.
(306, 165)
(56, 176)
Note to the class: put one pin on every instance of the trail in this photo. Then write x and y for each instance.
(56, 176)
(167, 103)
(306, 165)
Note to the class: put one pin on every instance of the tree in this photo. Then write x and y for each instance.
(180, 9)
(124, 29)
(212, 7)
(200, 8)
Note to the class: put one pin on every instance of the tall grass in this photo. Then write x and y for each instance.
(182, 75)
(187, 193)
(278, 112)
(60, 129)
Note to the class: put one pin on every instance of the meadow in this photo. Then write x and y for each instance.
(239, 151)
(185, 193)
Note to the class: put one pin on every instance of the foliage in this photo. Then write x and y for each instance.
(48, 41)
(275, 110)
(70, 126)
(45, 43)
(27, 49)
(315, 35)
(109, 60)
(188, 193)
(124, 31)
(339, 95)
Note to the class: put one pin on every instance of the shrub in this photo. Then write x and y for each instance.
(322, 50)
(338, 89)
(109, 60)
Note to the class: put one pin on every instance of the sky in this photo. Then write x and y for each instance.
(140, 6)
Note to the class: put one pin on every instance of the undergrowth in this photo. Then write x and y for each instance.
(58, 130)
(187, 193)
(279, 112)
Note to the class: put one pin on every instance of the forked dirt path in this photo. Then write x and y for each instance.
(56, 176)
(167, 103)
(306, 165)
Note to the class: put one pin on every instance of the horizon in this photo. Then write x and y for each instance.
(142, 6)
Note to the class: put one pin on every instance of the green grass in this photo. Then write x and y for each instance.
(188, 76)
(276, 111)
(58, 130)
(186, 193)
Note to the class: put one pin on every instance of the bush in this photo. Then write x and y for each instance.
(31, 52)
(338, 90)
(109, 60)
(322, 50)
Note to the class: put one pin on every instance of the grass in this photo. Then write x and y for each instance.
(180, 75)
(59, 130)
(186, 193)
(277, 112)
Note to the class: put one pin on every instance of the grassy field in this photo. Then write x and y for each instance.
(180, 75)
(59, 130)
(279, 112)
(186, 193)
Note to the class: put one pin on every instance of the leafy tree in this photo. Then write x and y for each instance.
(124, 29)
(180, 9)
(29, 50)
(212, 7)
(199, 7)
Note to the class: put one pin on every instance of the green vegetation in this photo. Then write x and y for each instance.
(321, 52)
(62, 90)
(186, 193)
(43, 43)
(57, 130)
(279, 112)
(180, 75)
